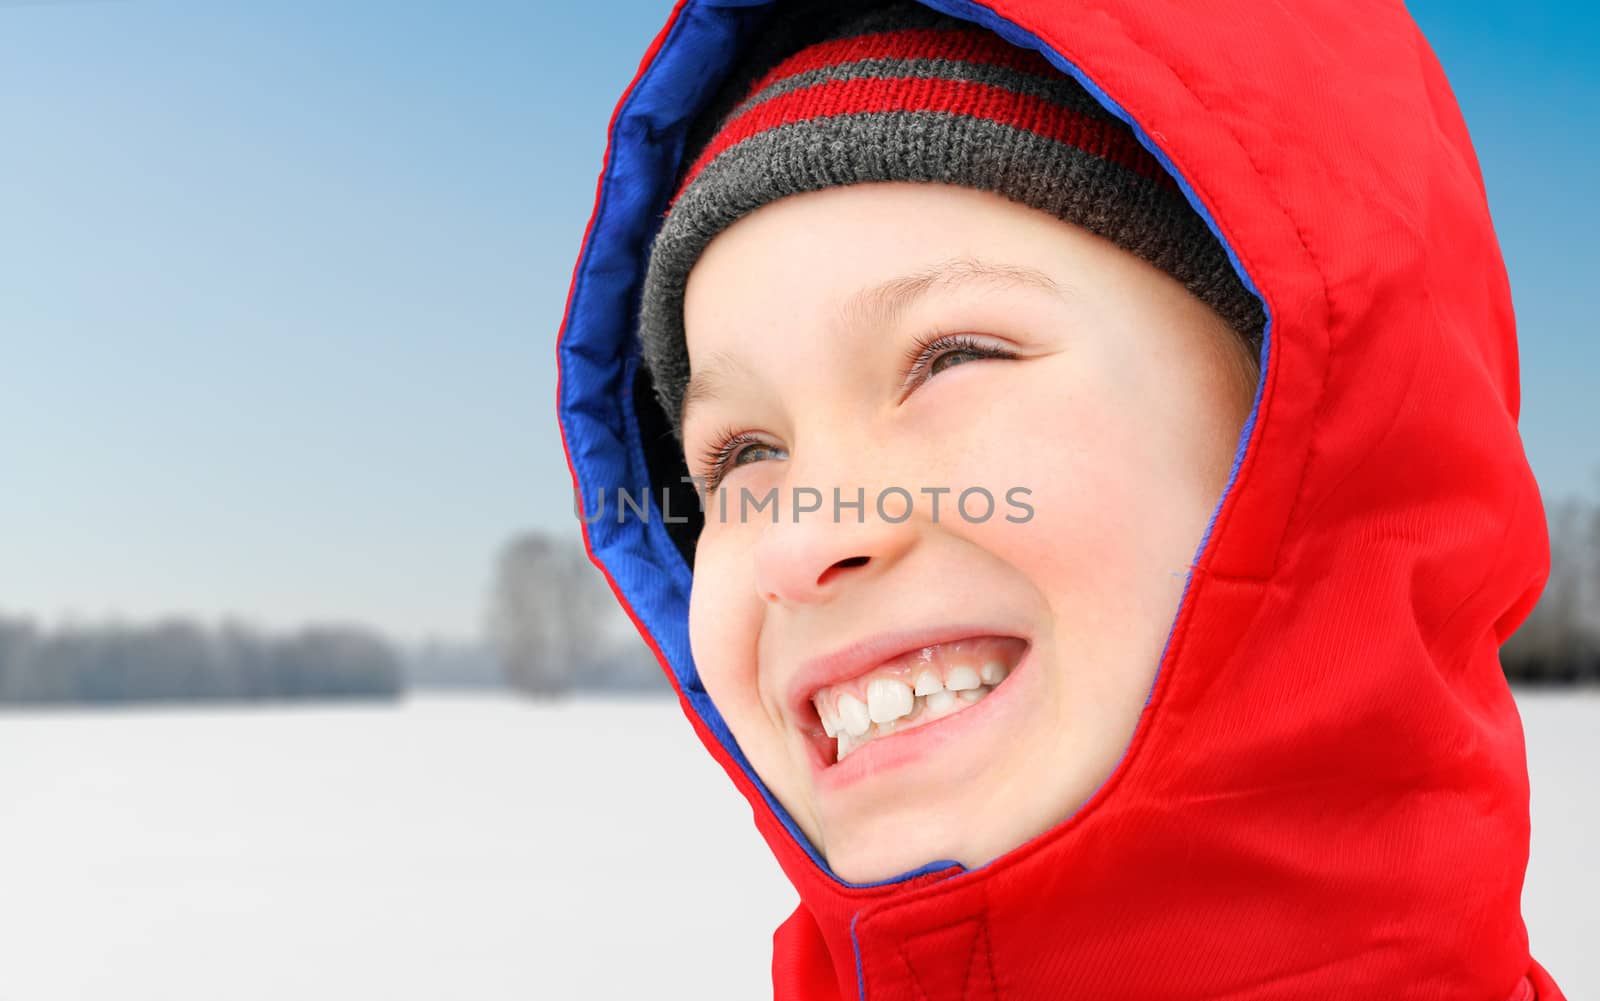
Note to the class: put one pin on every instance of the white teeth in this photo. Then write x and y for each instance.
(825, 712)
(853, 721)
(853, 717)
(887, 699)
(830, 725)
(961, 679)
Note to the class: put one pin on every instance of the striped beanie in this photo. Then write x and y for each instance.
(852, 93)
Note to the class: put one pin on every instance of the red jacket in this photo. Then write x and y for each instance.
(1327, 794)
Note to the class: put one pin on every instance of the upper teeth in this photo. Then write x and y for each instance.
(892, 697)
(888, 699)
(854, 717)
(961, 678)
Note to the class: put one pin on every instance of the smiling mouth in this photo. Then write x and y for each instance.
(914, 689)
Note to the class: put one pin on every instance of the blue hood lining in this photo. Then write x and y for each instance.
(598, 353)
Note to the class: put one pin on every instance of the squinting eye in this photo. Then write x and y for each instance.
(729, 450)
(934, 368)
(923, 358)
(740, 455)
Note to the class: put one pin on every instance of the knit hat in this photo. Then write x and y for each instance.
(899, 92)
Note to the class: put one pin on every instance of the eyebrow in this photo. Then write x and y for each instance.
(883, 304)
(879, 306)
(709, 382)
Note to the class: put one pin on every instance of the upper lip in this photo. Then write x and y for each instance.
(855, 659)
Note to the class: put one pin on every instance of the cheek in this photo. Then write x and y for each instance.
(1116, 512)
(1087, 501)
(723, 626)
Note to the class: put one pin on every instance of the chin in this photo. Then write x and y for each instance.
(878, 854)
(872, 867)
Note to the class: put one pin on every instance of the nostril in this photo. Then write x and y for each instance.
(847, 562)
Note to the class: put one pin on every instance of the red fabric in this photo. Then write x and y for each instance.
(1327, 795)
(961, 97)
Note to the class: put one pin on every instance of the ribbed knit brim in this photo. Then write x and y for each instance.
(903, 93)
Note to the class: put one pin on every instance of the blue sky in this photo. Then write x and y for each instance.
(280, 282)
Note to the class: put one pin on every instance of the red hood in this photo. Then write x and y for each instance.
(1327, 793)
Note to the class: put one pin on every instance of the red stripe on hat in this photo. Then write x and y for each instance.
(1102, 138)
(913, 43)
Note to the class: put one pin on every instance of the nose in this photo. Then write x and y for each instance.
(811, 560)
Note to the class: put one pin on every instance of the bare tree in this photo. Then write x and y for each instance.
(555, 625)
(535, 622)
(1560, 639)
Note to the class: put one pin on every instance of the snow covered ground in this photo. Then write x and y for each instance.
(476, 848)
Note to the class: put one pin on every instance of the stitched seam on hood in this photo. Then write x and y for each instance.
(1319, 408)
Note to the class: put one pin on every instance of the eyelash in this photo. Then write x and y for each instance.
(714, 459)
(925, 350)
(918, 358)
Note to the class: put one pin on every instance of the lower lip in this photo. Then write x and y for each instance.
(886, 754)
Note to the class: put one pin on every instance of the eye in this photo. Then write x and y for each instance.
(928, 356)
(730, 449)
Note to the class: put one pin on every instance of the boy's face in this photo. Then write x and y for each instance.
(1095, 400)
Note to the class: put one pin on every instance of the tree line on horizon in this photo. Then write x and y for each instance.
(1559, 641)
(179, 659)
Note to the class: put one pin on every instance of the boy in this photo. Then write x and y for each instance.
(1100, 432)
